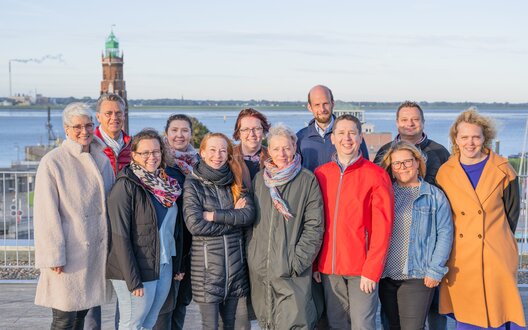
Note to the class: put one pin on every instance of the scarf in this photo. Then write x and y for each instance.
(273, 177)
(115, 145)
(254, 158)
(185, 160)
(219, 177)
(164, 188)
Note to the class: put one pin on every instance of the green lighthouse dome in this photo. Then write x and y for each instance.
(112, 46)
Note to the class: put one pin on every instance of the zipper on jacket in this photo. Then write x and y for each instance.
(334, 244)
(366, 242)
(226, 261)
(241, 250)
(268, 285)
(205, 256)
(226, 267)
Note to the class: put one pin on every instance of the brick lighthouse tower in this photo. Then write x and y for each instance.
(113, 82)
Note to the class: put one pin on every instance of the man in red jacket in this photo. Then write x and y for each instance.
(359, 207)
(110, 115)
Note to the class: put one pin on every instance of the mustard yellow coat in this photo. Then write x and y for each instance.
(481, 285)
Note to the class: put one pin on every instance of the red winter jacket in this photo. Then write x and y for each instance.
(359, 213)
(124, 156)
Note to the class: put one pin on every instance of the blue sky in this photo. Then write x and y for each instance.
(365, 51)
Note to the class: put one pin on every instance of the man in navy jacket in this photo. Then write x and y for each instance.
(314, 143)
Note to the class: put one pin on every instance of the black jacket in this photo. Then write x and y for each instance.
(218, 266)
(436, 154)
(134, 247)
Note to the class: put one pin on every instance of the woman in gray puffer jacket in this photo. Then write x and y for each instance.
(215, 209)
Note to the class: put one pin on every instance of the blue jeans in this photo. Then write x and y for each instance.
(142, 312)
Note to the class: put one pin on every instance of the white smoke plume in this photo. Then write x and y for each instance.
(57, 57)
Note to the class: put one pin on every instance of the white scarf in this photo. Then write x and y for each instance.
(116, 146)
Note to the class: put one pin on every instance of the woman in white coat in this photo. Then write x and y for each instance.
(70, 222)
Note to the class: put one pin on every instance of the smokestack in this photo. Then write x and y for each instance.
(10, 84)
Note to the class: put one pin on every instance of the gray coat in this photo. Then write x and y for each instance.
(71, 226)
(281, 253)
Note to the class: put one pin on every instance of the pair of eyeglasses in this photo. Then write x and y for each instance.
(147, 154)
(78, 128)
(109, 114)
(254, 130)
(406, 163)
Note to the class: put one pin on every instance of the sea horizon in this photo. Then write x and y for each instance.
(25, 127)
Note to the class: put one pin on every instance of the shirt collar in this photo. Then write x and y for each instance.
(328, 129)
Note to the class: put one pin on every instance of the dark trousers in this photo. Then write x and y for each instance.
(183, 300)
(436, 321)
(164, 321)
(67, 320)
(92, 321)
(405, 302)
(175, 318)
(226, 310)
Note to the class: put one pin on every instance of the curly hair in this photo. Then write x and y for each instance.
(472, 116)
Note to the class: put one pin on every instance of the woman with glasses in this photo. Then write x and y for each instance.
(216, 208)
(70, 222)
(480, 290)
(421, 240)
(142, 210)
(251, 127)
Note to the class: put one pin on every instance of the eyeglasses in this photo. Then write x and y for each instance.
(118, 114)
(146, 154)
(406, 163)
(78, 128)
(255, 130)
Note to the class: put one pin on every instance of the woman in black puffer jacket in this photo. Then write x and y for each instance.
(215, 209)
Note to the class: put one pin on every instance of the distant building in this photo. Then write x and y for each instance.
(375, 141)
(113, 81)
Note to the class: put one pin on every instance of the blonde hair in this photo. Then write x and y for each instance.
(233, 163)
(472, 116)
(420, 158)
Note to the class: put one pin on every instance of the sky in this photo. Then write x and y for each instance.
(381, 50)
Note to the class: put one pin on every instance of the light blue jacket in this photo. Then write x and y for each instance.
(431, 234)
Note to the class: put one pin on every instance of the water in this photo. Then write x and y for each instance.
(20, 128)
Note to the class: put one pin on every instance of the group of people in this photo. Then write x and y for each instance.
(301, 232)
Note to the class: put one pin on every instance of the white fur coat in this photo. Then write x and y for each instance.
(71, 226)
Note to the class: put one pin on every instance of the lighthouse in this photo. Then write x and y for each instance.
(113, 81)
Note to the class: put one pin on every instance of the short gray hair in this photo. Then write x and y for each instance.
(75, 109)
(112, 98)
(280, 129)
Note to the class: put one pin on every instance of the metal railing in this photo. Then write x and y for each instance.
(16, 220)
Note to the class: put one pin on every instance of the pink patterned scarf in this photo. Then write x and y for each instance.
(185, 160)
(164, 188)
(273, 177)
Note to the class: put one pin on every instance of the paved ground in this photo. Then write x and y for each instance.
(17, 310)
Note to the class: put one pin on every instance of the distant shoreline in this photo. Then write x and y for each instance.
(300, 106)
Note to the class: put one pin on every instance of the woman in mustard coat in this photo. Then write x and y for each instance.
(480, 289)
